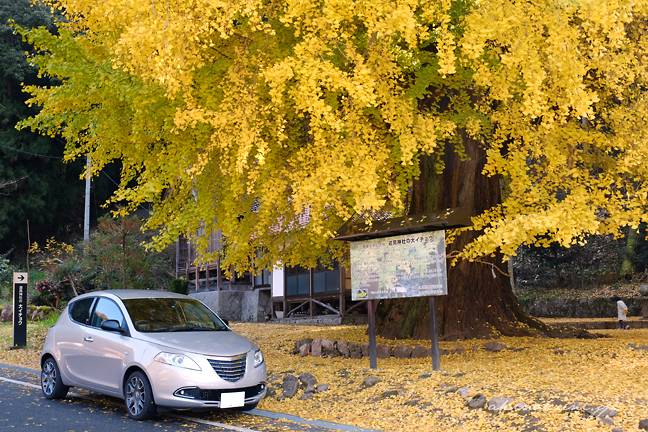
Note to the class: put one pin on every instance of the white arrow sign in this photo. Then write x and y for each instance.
(21, 277)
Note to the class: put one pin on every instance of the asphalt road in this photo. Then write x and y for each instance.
(24, 408)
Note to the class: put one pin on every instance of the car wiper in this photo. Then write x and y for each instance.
(183, 328)
(199, 328)
(159, 329)
(196, 328)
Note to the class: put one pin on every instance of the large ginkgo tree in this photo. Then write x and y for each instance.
(277, 121)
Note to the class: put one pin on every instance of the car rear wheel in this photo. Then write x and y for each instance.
(51, 383)
(139, 397)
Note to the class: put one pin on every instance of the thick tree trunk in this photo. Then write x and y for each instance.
(480, 299)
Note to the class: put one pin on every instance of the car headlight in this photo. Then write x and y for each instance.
(258, 358)
(178, 360)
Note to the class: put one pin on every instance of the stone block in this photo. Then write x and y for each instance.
(304, 350)
(355, 351)
(402, 351)
(365, 349)
(343, 348)
(420, 352)
(383, 351)
(328, 348)
(316, 348)
(301, 342)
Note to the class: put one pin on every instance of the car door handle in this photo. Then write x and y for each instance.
(88, 339)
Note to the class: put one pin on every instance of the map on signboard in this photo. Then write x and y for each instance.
(412, 265)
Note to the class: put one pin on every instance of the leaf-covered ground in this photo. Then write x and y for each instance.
(547, 375)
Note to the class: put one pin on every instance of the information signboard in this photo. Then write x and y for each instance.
(20, 309)
(412, 265)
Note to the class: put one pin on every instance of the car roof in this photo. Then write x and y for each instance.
(133, 294)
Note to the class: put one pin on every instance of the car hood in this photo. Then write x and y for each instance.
(214, 343)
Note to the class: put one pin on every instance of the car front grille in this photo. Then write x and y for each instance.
(215, 395)
(231, 369)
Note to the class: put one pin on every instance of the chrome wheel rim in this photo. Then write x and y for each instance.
(135, 395)
(48, 378)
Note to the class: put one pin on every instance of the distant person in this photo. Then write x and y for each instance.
(622, 312)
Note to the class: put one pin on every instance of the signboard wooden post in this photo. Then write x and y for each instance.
(401, 257)
(20, 281)
(412, 265)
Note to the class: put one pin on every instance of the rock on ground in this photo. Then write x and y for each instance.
(574, 406)
(643, 424)
(498, 404)
(371, 381)
(304, 350)
(478, 401)
(316, 348)
(290, 386)
(464, 391)
(365, 349)
(420, 352)
(301, 343)
(608, 421)
(328, 348)
(343, 348)
(307, 379)
(521, 406)
(355, 351)
(599, 411)
(383, 351)
(7, 314)
(402, 351)
(494, 346)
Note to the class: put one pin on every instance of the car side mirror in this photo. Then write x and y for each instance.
(113, 326)
(225, 321)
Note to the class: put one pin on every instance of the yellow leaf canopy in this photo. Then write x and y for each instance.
(276, 121)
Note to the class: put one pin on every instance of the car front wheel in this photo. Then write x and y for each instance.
(139, 397)
(51, 383)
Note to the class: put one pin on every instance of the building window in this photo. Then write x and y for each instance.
(262, 279)
(326, 281)
(297, 281)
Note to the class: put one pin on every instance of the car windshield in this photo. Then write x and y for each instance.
(172, 315)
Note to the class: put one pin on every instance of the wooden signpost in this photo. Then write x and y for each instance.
(398, 258)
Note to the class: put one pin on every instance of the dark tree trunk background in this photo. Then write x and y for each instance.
(480, 298)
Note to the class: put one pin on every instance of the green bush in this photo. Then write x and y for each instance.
(114, 257)
(180, 286)
(6, 274)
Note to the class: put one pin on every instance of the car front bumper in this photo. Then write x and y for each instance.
(178, 388)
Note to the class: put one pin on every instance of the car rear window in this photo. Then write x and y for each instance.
(172, 315)
(80, 310)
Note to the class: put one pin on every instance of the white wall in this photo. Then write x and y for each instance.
(278, 282)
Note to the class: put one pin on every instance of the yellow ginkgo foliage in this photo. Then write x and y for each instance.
(276, 121)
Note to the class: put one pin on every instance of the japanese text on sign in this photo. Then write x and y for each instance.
(412, 265)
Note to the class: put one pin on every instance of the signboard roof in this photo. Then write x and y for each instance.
(423, 222)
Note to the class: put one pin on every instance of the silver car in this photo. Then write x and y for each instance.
(152, 349)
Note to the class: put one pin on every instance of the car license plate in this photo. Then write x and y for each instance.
(230, 400)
